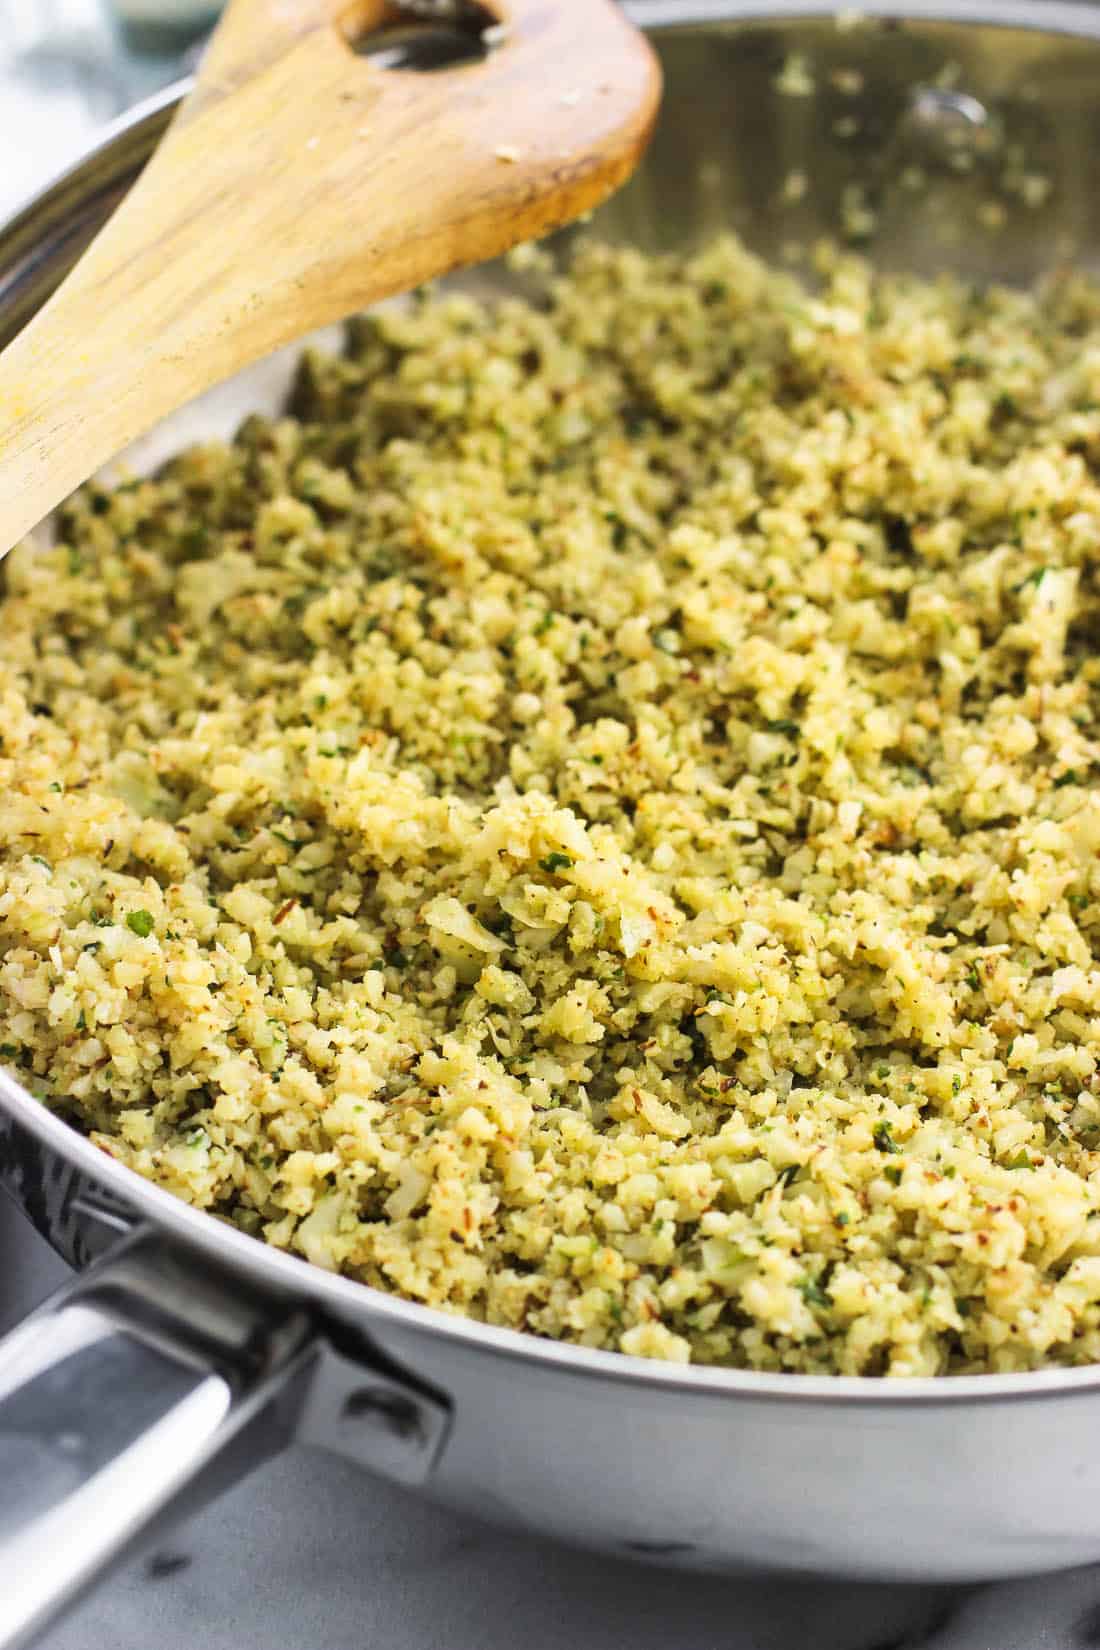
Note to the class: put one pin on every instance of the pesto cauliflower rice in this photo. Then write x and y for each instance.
(592, 822)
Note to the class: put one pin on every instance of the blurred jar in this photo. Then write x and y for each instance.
(161, 26)
(67, 66)
(60, 77)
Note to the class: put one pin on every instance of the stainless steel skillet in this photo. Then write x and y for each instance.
(185, 1351)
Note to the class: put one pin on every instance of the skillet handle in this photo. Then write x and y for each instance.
(142, 1388)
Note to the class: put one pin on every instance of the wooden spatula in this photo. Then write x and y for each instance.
(300, 182)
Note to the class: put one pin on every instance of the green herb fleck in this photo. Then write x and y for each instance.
(555, 862)
(382, 565)
(140, 923)
(813, 1294)
(884, 1137)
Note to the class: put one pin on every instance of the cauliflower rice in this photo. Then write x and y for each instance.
(592, 822)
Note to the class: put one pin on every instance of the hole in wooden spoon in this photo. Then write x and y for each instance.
(426, 37)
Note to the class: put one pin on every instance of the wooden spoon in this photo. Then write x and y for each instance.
(299, 183)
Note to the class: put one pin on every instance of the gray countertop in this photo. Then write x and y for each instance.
(310, 1554)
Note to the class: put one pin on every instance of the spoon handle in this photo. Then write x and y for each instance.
(298, 184)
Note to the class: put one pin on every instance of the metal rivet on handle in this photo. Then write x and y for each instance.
(395, 1414)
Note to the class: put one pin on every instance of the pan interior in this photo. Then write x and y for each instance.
(932, 146)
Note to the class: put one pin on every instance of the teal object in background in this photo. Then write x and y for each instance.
(159, 26)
